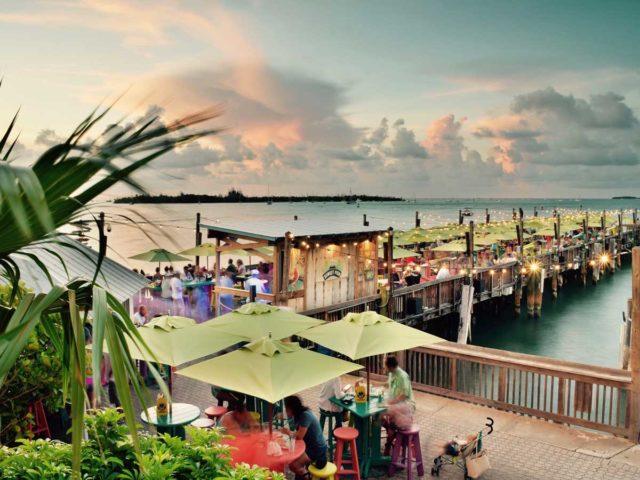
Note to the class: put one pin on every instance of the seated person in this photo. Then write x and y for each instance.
(238, 418)
(307, 429)
(399, 415)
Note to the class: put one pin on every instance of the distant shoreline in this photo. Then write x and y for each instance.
(237, 197)
(625, 197)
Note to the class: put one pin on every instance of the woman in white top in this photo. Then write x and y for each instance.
(329, 390)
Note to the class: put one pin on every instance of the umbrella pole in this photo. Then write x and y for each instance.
(368, 375)
(270, 419)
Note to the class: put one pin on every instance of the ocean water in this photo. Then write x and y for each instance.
(582, 325)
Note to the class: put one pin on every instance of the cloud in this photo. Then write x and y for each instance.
(601, 111)
(48, 138)
(443, 139)
(404, 144)
(545, 127)
(264, 104)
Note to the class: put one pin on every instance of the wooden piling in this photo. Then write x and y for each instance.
(389, 258)
(198, 237)
(634, 350)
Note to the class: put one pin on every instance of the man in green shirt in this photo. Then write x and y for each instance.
(399, 415)
(399, 383)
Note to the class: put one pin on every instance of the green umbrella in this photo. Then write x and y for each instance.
(256, 320)
(177, 340)
(269, 369)
(398, 253)
(360, 335)
(202, 250)
(159, 255)
(455, 246)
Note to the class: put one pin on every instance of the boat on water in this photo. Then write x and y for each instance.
(467, 212)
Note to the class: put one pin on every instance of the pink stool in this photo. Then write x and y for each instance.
(346, 436)
(215, 413)
(406, 449)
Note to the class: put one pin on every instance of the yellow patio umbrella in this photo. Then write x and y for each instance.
(202, 250)
(269, 369)
(398, 253)
(256, 320)
(175, 340)
(159, 255)
(455, 246)
(366, 334)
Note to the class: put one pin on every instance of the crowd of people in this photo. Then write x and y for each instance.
(189, 291)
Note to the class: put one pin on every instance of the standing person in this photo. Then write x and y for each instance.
(176, 294)
(157, 277)
(165, 286)
(226, 299)
(399, 415)
(241, 268)
(187, 274)
(307, 429)
(255, 280)
(443, 272)
(231, 267)
(140, 317)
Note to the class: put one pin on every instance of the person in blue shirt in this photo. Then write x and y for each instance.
(307, 429)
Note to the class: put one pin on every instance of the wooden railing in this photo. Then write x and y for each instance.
(438, 297)
(557, 390)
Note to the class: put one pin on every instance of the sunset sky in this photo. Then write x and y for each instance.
(425, 98)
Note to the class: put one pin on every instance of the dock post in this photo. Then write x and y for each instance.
(517, 294)
(389, 259)
(634, 350)
(198, 237)
(460, 219)
(487, 216)
(635, 226)
(218, 306)
(417, 219)
(620, 241)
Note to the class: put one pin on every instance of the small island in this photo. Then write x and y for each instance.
(236, 196)
(625, 197)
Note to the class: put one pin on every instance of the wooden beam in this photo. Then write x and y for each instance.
(233, 245)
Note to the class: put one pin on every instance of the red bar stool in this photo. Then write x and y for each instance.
(406, 449)
(346, 436)
(215, 412)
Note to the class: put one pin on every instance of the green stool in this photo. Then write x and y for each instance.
(324, 416)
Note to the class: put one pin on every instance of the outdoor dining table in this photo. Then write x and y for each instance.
(251, 448)
(180, 414)
(367, 420)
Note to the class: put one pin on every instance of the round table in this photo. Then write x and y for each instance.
(173, 423)
(251, 448)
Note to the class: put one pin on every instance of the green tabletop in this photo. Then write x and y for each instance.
(180, 414)
(367, 420)
(363, 409)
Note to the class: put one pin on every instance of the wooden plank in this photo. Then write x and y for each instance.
(578, 371)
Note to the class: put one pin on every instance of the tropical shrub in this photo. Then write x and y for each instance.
(59, 187)
(108, 454)
(36, 375)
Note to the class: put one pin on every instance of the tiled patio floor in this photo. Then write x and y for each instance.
(519, 448)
